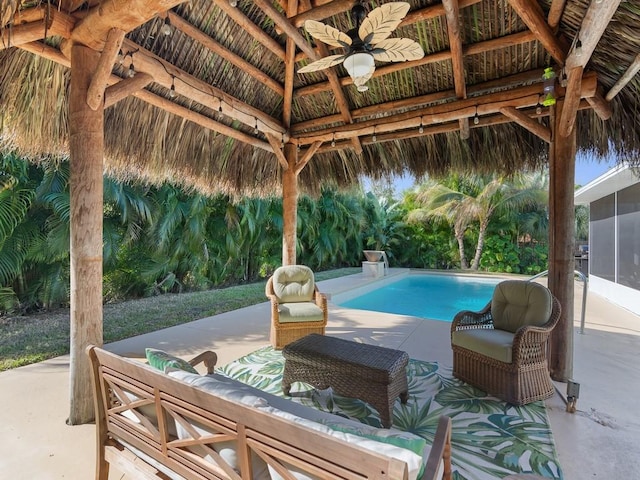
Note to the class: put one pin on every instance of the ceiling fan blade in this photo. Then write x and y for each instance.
(326, 34)
(321, 64)
(382, 21)
(397, 50)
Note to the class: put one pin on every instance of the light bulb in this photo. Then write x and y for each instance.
(538, 110)
(166, 28)
(233, 3)
(120, 57)
(172, 91)
(476, 120)
(333, 143)
(132, 71)
(374, 139)
(256, 130)
(421, 129)
(363, 88)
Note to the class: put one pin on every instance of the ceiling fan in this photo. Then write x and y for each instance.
(367, 42)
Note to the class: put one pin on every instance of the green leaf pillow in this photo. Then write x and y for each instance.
(161, 360)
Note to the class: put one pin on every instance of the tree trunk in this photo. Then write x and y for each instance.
(480, 245)
(86, 143)
(289, 207)
(562, 152)
(463, 260)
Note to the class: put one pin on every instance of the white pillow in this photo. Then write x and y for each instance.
(222, 386)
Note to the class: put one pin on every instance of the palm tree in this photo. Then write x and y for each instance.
(464, 201)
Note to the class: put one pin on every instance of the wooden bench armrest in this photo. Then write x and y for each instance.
(207, 357)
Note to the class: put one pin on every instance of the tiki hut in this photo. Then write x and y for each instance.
(209, 94)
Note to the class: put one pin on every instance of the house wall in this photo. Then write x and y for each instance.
(614, 247)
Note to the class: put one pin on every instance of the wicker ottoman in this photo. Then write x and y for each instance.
(376, 375)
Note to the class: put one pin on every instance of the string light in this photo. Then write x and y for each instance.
(374, 139)
(282, 141)
(172, 91)
(120, 57)
(538, 110)
(220, 106)
(233, 3)
(578, 49)
(333, 140)
(256, 130)
(421, 129)
(132, 71)
(166, 29)
(476, 119)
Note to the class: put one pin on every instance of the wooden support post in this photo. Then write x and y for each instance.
(289, 206)
(86, 145)
(562, 159)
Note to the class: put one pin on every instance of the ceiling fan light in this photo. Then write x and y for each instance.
(358, 64)
(363, 88)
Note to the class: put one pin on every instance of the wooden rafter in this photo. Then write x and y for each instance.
(313, 148)
(181, 24)
(555, 13)
(55, 55)
(289, 71)
(277, 146)
(527, 122)
(593, 26)
(624, 79)
(251, 28)
(452, 13)
(474, 49)
(531, 14)
(125, 87)
(166, 74)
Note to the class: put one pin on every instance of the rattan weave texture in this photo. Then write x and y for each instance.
(524, 380)
(374, 374)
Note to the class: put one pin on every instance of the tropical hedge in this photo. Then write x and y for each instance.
(160, 239)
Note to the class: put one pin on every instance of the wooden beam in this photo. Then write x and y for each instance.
(555, 13)
(181, 24)
(276, 145)
(292, 32)
(624, 79)
(57, 56)
(571, 102)
(166, 74)
(594, 23)
(600, 105)
(313, 148)
(289, 207)
(200, 119)
(531, 14)
(251, 28)
(527, 122)
(56, 24)
(488, 104)
(124, 88)
(452, 14)
(95, 95)
(93, 29)
(289, 71)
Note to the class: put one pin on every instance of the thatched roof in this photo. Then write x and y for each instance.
(232, 69)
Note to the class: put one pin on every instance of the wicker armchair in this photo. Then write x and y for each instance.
(297, 307)
(503, 348)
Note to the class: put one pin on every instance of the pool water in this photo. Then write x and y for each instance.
(437, 297)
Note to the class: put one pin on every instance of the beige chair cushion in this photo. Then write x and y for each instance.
(516, 303)
(496, 344)
(293, 283)
(300, 312)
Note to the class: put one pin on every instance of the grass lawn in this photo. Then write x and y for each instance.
(33, 338)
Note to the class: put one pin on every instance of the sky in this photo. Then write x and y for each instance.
(587, 169)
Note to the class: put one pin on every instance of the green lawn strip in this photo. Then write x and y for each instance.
(34, 338)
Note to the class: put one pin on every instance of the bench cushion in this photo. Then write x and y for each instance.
(300, 312)
(496, 344)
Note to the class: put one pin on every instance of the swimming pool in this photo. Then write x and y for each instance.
(433, 296)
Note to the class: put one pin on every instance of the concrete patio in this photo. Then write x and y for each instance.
(595, 442)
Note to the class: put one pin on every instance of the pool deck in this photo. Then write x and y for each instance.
(597, 441)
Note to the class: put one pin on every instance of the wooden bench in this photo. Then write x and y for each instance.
(374, 374)
(136, 405)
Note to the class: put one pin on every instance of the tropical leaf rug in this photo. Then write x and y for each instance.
(490, 438)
